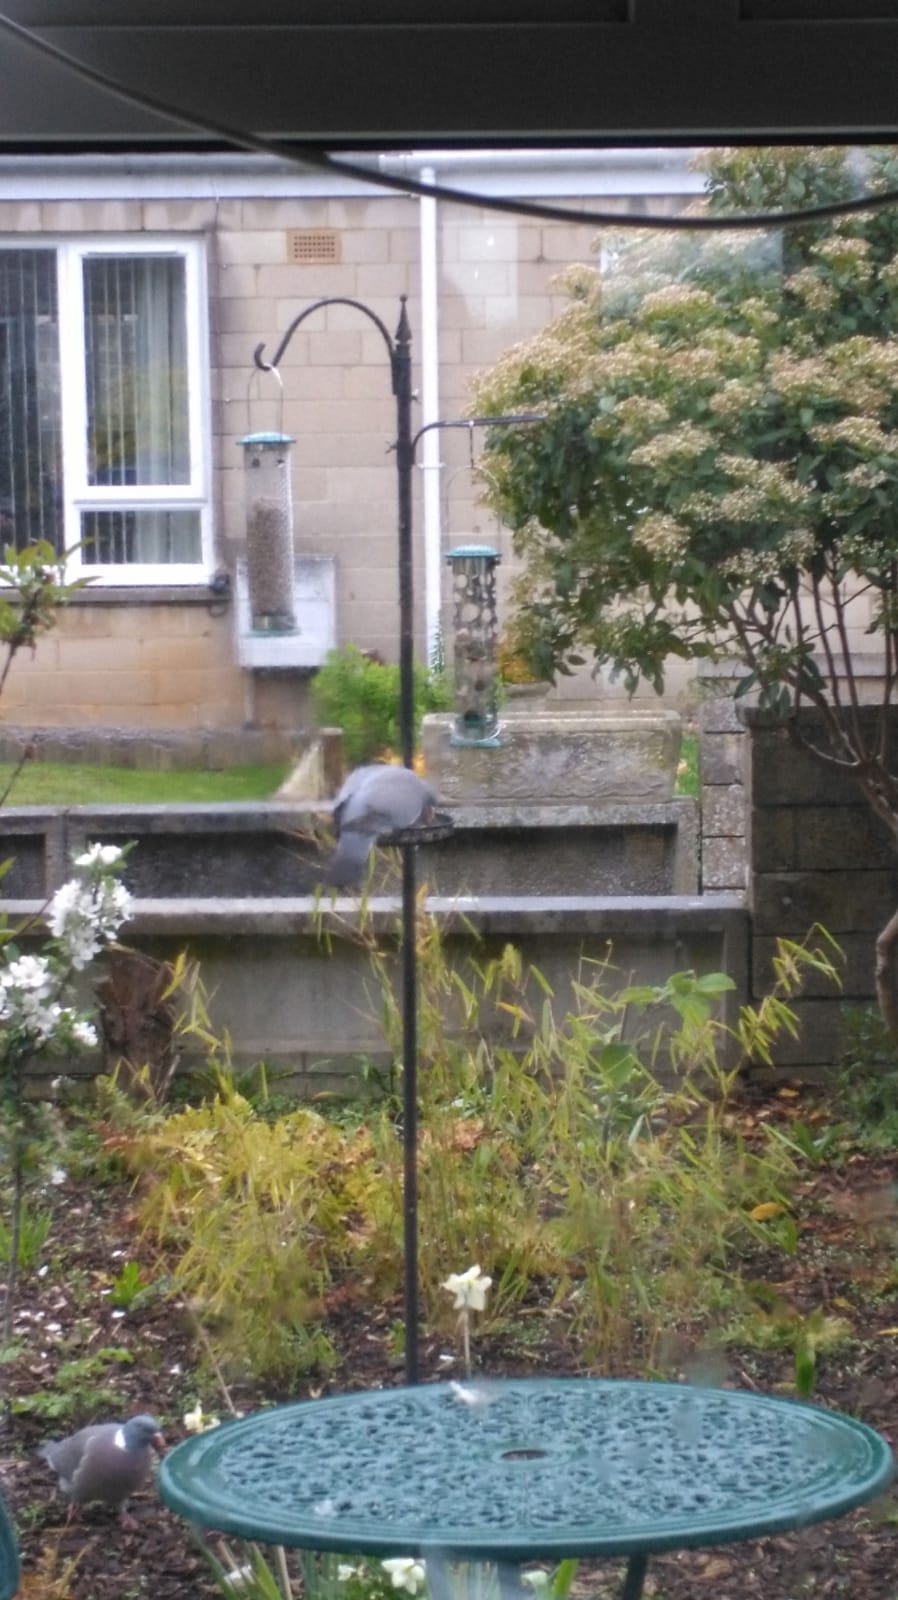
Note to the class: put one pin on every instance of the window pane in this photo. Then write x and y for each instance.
(136, 340)
(30, 448)
(125, 537)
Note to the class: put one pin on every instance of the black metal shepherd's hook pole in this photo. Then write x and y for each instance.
(399, 350)
(400, 354)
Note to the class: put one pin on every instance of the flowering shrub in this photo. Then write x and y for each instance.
(38, 1013)
(84, 915)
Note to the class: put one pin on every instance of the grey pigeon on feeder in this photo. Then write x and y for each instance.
(107, 1461)
(374, 801)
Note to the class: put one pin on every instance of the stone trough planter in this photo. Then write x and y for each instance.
(559, 758)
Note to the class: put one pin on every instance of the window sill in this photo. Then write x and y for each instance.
(151, 594)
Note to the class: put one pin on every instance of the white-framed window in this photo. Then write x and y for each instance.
(103, 405)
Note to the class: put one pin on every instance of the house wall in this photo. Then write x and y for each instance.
(167, 659)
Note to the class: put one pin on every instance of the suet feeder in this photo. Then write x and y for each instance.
(270, 557)
(475, 643)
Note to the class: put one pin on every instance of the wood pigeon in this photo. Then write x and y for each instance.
(106, 1461)
(374, 800)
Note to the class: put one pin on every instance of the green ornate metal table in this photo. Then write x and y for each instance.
(520, 1470)
(9, 1556)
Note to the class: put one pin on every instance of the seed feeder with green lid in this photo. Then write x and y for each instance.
(475, 629)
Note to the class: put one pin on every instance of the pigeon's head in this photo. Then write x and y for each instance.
(139, 1432)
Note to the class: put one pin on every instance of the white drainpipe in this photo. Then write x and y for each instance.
(429, 448)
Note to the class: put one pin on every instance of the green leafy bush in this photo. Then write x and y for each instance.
(360, 694)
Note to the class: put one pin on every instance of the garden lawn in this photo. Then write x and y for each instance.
(48, 783)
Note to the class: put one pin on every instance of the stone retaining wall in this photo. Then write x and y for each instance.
(291, 983)
(818, 855)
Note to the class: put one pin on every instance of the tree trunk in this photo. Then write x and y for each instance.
(886, 975)
(137, 1022)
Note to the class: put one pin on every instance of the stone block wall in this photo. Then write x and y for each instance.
(818, 855)
(725, 838)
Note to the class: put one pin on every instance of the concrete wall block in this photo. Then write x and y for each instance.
(784, 775)
(282, 214)
(565, 246)
(722, 758)
(724, 865)
(296, 285)
(843, 836)
(724, 810)
(720, 713)
(843, 902)
(91, 216)
(179, 216)
(773, 839)
(20, 216)
(266, 246)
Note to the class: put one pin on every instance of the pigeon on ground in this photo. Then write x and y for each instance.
(106, 1461)
(373, 801)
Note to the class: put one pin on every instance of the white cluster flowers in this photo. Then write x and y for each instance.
(83, 915)
(406, 1573)
(661, 535)
(87, 911)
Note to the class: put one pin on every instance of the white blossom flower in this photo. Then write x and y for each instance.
(405, 1573)
(30, 973)
(345, 1571)
(82, 915)
(469, 1289)
(85, 1034)
(100, 855)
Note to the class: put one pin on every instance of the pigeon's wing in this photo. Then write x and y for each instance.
(346, 790)
(64, 1456)
(348, 862)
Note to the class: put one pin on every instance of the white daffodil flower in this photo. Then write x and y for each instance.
(239, 1578)
(196, 1421)
(537, 1580)
(405, 1573)
(469, 1289)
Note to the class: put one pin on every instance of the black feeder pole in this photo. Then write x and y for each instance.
(399, 350)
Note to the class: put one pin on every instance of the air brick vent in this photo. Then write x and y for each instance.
(308, 246)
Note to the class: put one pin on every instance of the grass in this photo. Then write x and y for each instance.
(687, 776)
(49, 783)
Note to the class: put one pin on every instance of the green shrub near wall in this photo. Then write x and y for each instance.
(359, 693)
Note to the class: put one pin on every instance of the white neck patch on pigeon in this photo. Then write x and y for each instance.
(119, 1440)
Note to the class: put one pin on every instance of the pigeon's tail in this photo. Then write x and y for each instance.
(348, 864)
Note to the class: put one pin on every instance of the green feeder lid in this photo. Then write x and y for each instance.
(266, 441)
(470, 552)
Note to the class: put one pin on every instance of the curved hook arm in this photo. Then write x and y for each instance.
(330, 300)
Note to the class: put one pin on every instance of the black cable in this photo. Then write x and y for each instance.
(300, 154)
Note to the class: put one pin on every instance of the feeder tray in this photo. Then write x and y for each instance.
(442, 827)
